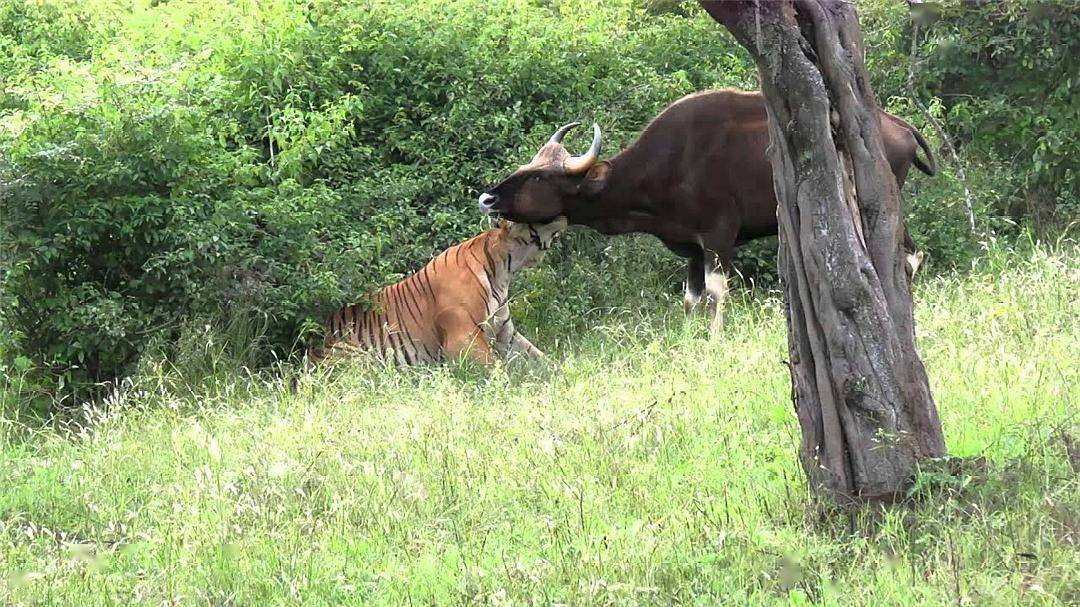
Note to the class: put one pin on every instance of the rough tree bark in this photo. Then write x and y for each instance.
(860, 390)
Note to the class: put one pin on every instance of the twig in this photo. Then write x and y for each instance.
(950, 149)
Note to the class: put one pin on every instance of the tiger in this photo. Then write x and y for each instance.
(457, 305)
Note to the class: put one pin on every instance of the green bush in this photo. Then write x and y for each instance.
(1007, 79)
(1001, 78)
(279, 159)
(269, 161)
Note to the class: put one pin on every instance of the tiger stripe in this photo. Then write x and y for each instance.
(454, 305)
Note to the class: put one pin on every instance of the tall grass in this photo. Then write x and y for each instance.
(644, 464)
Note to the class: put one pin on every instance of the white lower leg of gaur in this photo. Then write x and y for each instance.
(691, 300)
(716, 294)
(914, 260)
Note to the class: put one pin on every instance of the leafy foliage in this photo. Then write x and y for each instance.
(166, 162)
(1000, 78)
(1007, 79)
(279, 159)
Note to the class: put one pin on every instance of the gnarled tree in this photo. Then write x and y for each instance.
(861, 392)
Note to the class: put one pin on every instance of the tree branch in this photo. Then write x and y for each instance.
(950, 149)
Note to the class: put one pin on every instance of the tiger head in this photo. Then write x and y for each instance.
(526, 243)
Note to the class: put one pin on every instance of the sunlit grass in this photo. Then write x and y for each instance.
(644, 464)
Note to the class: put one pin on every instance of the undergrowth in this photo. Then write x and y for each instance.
(644, 463)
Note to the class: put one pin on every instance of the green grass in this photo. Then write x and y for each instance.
(645, 464)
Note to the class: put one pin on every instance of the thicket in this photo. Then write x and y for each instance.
(168, 164)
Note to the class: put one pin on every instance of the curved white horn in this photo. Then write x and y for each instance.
(559, 134)
(578, 165)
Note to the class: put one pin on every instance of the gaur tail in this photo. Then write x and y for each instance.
(929, 167)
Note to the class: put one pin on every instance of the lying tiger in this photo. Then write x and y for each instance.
(457, 305)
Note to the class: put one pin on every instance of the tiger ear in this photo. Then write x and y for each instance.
(502, 224)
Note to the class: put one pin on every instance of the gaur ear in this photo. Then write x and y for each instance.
(596, 179)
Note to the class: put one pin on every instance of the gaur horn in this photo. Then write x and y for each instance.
(559, 134)
(578, 165)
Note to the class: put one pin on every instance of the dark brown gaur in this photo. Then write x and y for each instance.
(697, 178)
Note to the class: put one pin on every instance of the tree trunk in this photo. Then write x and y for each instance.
(860, 390)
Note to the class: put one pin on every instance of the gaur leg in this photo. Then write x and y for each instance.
(459, 335)
(695, 280)
(695, 272)
(914, 256)
(716, 288)
(719, 258)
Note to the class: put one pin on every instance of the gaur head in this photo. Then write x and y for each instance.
(550, 185)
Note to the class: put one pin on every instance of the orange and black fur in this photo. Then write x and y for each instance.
(457, 305)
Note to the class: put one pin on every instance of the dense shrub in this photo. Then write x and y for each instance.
(1001, 78)
(185, 160)
(1008, 82)
(279, 161)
